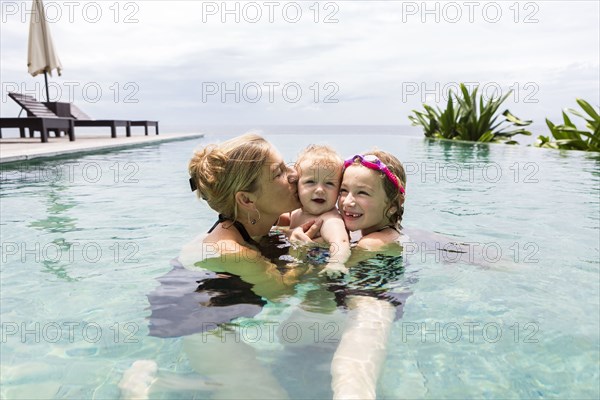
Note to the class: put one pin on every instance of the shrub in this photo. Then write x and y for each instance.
(470, 119)
(568, 136)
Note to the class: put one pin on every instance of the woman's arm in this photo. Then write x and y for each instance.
(306, 232)
(219, 252)
(253, 268)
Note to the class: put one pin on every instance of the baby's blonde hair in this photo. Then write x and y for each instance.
(321, 155)
(220, 171)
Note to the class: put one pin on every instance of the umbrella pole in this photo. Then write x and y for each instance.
(47, 91)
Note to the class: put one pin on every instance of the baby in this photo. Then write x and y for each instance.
(320, 172)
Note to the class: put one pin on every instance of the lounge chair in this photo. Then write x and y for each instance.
(44, 125)
(39, 118)
(70, 110)
(81, 118)
(35, 108)
(145, 124)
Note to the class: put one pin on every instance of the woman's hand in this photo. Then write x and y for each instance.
(306, 232)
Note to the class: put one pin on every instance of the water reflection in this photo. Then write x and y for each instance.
(57, 221)
(453, 151)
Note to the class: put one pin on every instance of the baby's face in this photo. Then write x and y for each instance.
(318, 185)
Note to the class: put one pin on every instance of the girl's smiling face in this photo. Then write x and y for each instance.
(363, 202)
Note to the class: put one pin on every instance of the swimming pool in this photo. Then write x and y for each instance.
(84, 241)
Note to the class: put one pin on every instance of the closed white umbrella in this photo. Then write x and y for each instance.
(41, 56)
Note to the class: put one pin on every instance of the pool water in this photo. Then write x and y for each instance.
(85, 240)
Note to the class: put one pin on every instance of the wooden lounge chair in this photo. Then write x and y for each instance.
(35, 108)
(44, 125)
(81, 116)
(39, 118)
(82, 119)
(145, 124)
(70, 110)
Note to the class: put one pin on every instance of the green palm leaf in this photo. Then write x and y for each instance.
(468, 116)
(568, 136)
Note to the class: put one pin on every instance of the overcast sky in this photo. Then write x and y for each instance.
(193, 63)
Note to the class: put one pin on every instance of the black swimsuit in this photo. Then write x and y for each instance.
(392, 227)
(273, 247)
(188, 302)
(237, 225)
(375, 277)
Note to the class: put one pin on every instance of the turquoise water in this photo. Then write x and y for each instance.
(84, 241)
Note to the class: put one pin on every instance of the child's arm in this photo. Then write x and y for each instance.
(334, 232)
(288, 222)
(284, 219)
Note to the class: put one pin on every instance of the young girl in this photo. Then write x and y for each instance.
(372, 202)
(372, 198)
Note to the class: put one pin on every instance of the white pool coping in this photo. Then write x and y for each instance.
(24, 149)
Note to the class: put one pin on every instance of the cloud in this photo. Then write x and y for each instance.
(164, 54)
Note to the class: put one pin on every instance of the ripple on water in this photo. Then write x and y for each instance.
(557, 294)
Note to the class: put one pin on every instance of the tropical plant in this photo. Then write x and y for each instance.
(470, 119)
(437, 123)
(568, 136)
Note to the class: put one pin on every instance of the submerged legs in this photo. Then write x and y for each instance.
(233, 364)
(231, 368)
(143, 378)
(137, 380)
(362, 349)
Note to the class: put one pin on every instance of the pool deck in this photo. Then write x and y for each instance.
(23, 149)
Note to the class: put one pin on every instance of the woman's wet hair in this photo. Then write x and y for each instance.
(395, 197)
(219, 171)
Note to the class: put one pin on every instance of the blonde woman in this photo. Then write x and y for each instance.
(246, 181)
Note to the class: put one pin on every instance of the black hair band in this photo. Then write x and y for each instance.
(193, 185)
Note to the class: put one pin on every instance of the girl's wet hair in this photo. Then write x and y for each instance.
(219, 171)
(395, 197)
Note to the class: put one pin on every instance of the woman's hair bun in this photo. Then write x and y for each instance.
(208, 163)
(219, 171)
